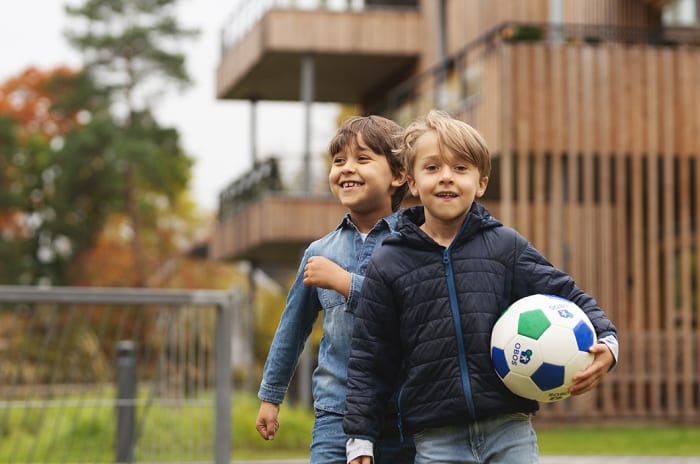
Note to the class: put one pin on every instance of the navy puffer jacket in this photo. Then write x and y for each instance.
(423, 323)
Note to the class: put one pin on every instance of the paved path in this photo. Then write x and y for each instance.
(556, 460)
(618, 460)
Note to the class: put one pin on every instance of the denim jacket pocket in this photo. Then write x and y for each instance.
(330, 298)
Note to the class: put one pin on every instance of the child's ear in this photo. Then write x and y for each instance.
(483, 183)
(412, 186)
(399, 179)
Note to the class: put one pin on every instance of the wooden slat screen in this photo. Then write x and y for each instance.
(599, 168)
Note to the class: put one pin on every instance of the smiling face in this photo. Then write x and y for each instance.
(362, 181)
(446, 184)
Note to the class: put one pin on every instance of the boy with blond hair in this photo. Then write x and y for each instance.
(431, 296)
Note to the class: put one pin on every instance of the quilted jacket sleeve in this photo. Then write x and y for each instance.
(535, 274)
(374, 357)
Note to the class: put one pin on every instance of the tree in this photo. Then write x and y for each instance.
(12, 228)
(58, 180)
(28, 100)
(130, 48)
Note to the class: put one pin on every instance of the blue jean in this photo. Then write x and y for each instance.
(328, 443)
(503, 439)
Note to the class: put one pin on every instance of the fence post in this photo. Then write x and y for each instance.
(126, 396)
(222, 378)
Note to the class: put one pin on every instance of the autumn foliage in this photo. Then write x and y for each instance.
(30, 99)
(62, 214)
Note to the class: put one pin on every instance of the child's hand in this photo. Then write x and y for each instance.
(324, 273)
(590, 377)
(266, 424)
(362, 460)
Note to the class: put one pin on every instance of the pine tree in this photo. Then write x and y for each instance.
(131, 50)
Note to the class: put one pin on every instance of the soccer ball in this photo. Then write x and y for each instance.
(538, 344)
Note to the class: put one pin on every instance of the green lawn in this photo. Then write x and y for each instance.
(597, 439)
(632, 440)
(74, 434)
(611, 441)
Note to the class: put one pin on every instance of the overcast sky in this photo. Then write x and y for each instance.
(214, 132)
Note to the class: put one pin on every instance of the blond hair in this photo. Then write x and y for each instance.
(454, 136)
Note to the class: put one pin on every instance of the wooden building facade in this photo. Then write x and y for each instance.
(591, 110)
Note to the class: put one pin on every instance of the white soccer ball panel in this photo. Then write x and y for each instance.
(567, 314)
(578, 363)
(555, 394)
(557, 345)
(522, 354)
(503, 330)
(522, 385)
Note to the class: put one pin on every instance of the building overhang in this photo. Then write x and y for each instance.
(356, 55)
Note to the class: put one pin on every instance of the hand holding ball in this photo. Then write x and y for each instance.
(539, 343)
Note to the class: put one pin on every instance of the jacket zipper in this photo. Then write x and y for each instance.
(398, 414)
(454, 306)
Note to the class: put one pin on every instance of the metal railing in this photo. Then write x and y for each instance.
(281, 175)
(115, 375)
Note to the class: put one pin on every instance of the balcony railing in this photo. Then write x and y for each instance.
(451, 85)
(248, 12)
(282, 175)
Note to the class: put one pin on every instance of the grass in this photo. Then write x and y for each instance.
(620, 440)
(78, 434)
(82, 429)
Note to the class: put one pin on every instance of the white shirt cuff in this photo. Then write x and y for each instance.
(611, 342)
(356, 447)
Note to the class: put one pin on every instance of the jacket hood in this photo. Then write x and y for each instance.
(410, 220)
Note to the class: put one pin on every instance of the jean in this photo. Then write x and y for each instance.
(328, 443)
(503, 439)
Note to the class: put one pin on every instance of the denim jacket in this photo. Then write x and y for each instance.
(345, 247)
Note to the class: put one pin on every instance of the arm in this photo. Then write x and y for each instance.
(371, 378)
(324, 273)
(533, 273)
(542, 277)
(300, 312)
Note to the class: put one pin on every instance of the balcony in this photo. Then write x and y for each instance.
(265, 220)
(358, 52)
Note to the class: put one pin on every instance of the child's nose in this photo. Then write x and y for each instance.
(349, 166)
(445, 174)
